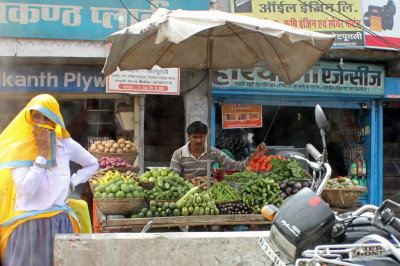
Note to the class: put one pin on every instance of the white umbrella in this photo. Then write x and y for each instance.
(215, 40)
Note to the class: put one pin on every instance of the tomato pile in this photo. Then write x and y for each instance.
(262, 163)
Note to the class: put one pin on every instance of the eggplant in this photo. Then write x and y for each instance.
(283, 195)
(298, 185)
(305, 184)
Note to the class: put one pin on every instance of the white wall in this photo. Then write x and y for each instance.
(24, 47)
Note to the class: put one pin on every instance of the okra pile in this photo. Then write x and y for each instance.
(221, 192)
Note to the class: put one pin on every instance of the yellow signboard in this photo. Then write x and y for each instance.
(304, 14)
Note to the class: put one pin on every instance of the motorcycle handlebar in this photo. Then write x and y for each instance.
(314, 152)
(313, 165)
(388, 218)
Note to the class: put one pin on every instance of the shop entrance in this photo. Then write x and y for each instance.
(391, 151)
(289, 128)
(164, 129)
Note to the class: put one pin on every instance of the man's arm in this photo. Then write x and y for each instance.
(227, 163)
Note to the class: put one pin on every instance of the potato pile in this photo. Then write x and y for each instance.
(112, 146)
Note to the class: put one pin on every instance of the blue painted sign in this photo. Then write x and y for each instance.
(51, 80)
(79, 19)
(323, 77)
(392, 88)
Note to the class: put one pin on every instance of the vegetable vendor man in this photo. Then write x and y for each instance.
(191, 159)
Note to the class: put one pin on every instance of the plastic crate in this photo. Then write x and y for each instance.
(218, 174)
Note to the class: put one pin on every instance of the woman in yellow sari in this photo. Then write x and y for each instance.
(35, 182)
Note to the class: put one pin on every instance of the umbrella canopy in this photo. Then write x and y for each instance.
(215, 40)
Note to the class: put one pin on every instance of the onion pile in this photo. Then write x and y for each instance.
(106, 162)
(112, 146)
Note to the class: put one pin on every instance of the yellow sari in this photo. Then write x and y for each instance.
(18, 148)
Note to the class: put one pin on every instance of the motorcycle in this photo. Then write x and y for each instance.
(305, 221)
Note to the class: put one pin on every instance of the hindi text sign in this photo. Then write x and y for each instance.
(153, 81)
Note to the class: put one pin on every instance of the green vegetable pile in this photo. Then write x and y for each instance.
(284, 170)
(260, 192)
(341, 182)
(194, 203)
(221, 192)
(168, 188)
(241, 177)
(158, 209)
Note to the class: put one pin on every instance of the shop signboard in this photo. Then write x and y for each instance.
(241, 116)
(79, 19)
(51, 79)
(392, 88)
(322, 78)
(153, 81)
(382, 18)
(329, 16)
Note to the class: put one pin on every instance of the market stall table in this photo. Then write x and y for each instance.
(137, 224)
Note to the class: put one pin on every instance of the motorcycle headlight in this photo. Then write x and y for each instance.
(284, 246)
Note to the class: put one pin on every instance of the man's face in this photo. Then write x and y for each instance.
(197, 140)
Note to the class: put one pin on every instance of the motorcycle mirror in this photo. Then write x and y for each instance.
(320, 117)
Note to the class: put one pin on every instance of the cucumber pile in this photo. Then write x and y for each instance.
(158, 209)
(168, 188)
(260, 192)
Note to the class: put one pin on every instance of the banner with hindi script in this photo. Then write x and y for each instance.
(382, 17)
(310, 15)
(79, 19)
(323, 78)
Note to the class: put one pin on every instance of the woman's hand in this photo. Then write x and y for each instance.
(42, 136)
(261, 149)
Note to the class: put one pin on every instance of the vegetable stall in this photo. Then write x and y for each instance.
(127, 201)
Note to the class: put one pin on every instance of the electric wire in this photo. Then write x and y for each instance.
(195, 86)
(352, 23)
(270, 126)
(122, 3)
(151, 4)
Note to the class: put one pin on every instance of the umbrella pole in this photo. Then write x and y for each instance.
(210, 44)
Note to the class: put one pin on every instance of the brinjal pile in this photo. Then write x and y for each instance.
(233, 208)
(290, 187)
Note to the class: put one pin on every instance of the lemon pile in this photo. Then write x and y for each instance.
(112, 175)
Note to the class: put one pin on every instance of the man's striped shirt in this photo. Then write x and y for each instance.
(183, 162)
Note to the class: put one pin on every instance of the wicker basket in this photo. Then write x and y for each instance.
(147, 185)
(130, 157)
(93, 187)
(342, 198)
(121, 206)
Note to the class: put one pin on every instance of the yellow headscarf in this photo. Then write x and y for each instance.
(18, 148)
